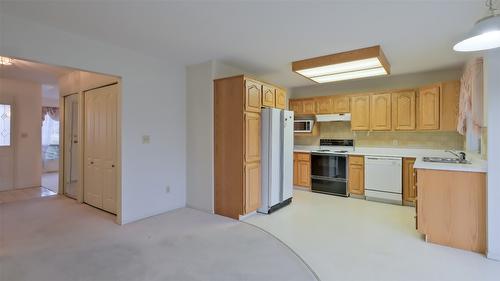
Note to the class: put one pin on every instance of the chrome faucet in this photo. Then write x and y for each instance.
(460, 155)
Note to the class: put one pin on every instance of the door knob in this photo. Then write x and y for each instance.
(112, 166)
(91, 163)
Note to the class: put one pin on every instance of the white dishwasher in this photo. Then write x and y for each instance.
(383, 179)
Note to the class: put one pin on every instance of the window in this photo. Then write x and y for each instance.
(5, 121)
(50, 138)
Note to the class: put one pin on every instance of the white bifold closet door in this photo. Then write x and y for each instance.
(100, 148)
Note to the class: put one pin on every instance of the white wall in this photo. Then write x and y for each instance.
(153, 103)
(492, 91)
(26, 98)
(200, 145)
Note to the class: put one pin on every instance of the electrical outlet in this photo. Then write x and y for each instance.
(395, 142)
(167, 189)
(146, 139)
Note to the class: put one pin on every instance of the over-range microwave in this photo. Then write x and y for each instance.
(303, 126)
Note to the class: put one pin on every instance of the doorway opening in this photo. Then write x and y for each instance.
(60, 134)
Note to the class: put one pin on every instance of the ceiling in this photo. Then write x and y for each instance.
(265, 37)
(33, 72)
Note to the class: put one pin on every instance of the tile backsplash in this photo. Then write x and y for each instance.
(342, 130)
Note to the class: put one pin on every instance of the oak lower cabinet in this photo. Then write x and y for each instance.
(451, 208)
(302, 169)
(428, 108)
(356, 175)
(409, 182)
(360, 113)
(380, 109)
(237, 103)
(252, 186)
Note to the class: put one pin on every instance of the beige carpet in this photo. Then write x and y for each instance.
(57, 239)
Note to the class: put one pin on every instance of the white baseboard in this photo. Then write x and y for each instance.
(493, 256)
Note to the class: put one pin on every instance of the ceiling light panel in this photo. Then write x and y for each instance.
(350, 75)
(343, 66)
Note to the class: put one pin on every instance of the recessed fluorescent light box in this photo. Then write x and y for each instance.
(361, 63)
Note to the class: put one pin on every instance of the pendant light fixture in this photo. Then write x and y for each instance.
(484, 35)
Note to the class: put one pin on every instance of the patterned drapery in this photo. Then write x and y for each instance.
(53, 113)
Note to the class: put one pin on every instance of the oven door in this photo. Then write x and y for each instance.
(329, 166)
(329, 185)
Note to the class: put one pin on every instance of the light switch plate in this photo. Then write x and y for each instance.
(146, 139)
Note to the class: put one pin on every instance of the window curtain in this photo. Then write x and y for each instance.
(52, 112)
(471, 104)
(50, 139)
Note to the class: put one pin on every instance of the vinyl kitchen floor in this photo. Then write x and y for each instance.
(353, 239)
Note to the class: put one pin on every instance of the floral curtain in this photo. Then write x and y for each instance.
(471, 99)
(52, 112)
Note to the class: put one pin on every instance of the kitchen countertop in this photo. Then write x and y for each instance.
(477, 165)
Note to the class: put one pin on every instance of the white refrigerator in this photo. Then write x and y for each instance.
(276, 159)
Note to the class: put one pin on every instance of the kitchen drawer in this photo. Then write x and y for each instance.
(358, 160)
(303, 156)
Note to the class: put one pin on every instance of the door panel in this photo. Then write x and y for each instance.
(381, 112)
(71, 146)
(324, 105)
(280, 99)
(428, 108)
(403, 111)
(297, 106)
(252, 137)
(341, 105)
(100, 148)
(360, 113)
(253, 93)
(309, 106)
(268, 94)
(252, 187)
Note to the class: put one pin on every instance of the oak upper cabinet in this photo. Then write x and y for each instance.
(297, 106)
(357, 175)
(341, 104)
(404, 111)
(324, 105)
(268, 96)
(252, 137)
(380, 108)
(252, 186)
(409, 182)
(360, 113)
(302, 169)
(428, 108)
(309, 106)
(450, 96)
(280, 99)
(253, 94)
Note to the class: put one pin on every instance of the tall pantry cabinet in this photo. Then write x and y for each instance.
(237, 136)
